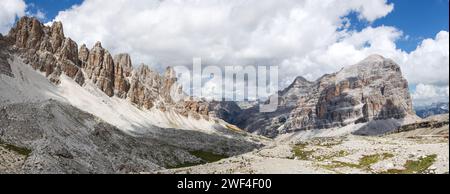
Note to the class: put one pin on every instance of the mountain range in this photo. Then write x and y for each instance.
(66, 108)
(432, 109)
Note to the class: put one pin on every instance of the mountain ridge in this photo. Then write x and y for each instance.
(70, 109)
(373, 89)
(48, 50)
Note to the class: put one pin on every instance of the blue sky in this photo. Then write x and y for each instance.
(50, 7)
(418, 19)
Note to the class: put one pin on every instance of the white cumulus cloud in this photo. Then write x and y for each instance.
(304, 37)
(429, 63)
(427, 94)
(9, 11)
(171, 32)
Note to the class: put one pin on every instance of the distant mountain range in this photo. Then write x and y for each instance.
(433, 109)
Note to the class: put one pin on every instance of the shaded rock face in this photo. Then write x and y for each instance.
(47, 49)
(373, 89)
(5, 68)
(228, 111)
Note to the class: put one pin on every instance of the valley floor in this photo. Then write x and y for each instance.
(397, 153)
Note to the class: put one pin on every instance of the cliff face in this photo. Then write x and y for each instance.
(5, 68)
(373, 89)
(47, 50)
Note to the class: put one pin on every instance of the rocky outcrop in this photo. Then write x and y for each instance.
(28, 33)
(57, 36)
(123, 61)
(5, 68)
(298, 89)
(373, 89)
(228, 111)
(100, 69)
(47, 49)
(83, 55)
(144, 87)
(122, 71)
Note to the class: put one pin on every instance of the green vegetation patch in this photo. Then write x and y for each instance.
(20, 150)
(415, 166)
(299, 151)
(208, 156)
(367, 161)
(364, 163)
(339, 154)
(183, 165)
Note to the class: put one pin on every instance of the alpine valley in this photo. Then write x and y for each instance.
(67, 108)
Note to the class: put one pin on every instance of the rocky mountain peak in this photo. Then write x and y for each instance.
(123, 61)
(57, 35)
(371, 59)
(83, 55)
(27, 32)
(373, 89)
(290, 95)
(170, 73)
(47, 49)
(301, 80)
(98, 45)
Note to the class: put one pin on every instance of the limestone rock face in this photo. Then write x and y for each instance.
(46, 49)
(373, 89)
(28, 33)
(144, 87)
(83, 55)
(57, 36)
(299, 88)
(100, 69)
(122, 71)
(191, 107)
(123, 60)
(69, 51)
(148, 89)
(5, 68)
